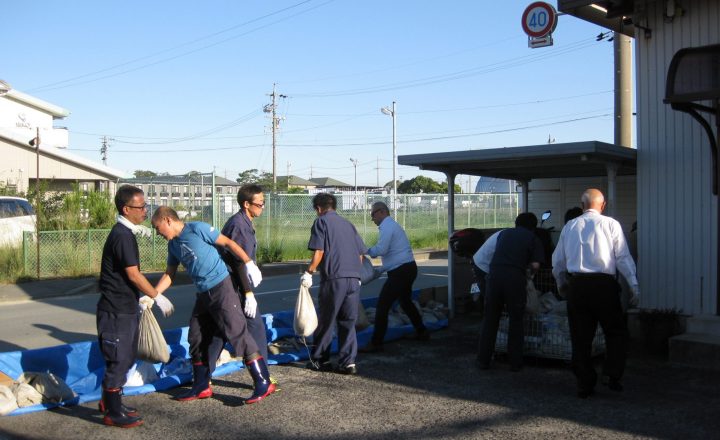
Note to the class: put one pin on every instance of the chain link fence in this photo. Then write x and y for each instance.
(282, 231)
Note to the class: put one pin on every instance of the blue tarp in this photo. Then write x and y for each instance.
(81, 365)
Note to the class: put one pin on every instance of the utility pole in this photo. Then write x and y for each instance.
(311, 171)
(288, 176)
(377, 170)
(104, 148)
(272, 108)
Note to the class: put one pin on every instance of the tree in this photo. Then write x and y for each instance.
(262, 178)
(422, 184)
(144, 173)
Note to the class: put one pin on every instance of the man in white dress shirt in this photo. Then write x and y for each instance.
(399, 262)
(589, 253)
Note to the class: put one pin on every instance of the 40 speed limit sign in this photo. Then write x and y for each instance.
(539, 19)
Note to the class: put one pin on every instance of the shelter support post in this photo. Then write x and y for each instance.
(612, 169)
(451, 230)
(525, 185)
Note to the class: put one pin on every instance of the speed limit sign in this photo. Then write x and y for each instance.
(539, 19)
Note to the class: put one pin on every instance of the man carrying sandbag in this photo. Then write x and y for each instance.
(117, 310)
(337, 254)
(217, 309)
(399, 262)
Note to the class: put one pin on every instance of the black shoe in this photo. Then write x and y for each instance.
(584, 394)
(372, 348)
(422, 335)
(615, 385)
(350, 369)
(323, 366)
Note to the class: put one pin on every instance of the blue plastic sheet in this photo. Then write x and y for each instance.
(81, 365)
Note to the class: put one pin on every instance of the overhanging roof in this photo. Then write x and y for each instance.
(574, 159)
(615, 15)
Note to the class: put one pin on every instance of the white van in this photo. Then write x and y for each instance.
(16, 217)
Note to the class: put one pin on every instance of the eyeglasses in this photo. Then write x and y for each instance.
(259, 205)
(145, 206)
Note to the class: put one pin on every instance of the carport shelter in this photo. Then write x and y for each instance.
(523, 164)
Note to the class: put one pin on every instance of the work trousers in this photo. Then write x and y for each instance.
(217, 315)
(118, 339)
(506, 286)
(338, 300)
(593, 299)
(397, 287)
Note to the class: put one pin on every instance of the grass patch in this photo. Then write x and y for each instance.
(11, 265)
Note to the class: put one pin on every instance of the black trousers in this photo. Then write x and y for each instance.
(593, 299)
(118, 339)
(505, 286)
(397, 287)
(218, 314)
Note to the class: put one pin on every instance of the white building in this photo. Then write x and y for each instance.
(21, 118)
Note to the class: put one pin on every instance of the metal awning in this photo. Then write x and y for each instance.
(523, 164)
(573, 159)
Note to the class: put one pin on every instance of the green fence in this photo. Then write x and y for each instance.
(282, 231)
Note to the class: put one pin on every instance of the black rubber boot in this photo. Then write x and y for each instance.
(129, 410)
(114, 415)
(201, 384)
(261, 380)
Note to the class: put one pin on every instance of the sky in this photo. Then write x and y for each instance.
(182, 86)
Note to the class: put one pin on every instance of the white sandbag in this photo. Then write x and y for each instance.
(26, 395)
(306, 320)
(52, 388)
(225, 357)
(140, 374)
(368, 272)
(532, 305)
(362, 320)
(8, 402)
(547, 302)
(151, 342)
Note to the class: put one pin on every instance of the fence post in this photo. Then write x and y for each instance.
(26, 234)
(89, 252)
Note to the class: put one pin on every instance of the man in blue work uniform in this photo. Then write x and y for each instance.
(117, 310)
(337, 252)
(516, 250)
(217, 307)
(399, 262)
(239, 228)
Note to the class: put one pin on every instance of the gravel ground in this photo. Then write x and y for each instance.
(418, 390)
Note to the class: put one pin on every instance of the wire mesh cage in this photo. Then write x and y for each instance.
(546, 335)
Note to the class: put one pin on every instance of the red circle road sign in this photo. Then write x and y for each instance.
(539, 19)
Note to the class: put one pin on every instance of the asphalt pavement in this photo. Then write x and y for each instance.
(417, 390)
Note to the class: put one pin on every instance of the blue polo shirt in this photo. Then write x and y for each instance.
(341, 244)
(239, 228)
(195, 249)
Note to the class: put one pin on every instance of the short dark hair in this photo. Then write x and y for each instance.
(324, 201)
(572, 213)
(124, 195)
(246, 193)
(526, 220)
(165, 212)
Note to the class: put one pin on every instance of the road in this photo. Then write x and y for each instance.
(62, 320)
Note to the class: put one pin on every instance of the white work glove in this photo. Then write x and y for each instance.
(164, 304)
(254, 273)
(145, 302)
(634, 296)
(250, 305)
(306, 280)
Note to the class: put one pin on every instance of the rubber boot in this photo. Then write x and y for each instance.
(115, 416)
(261, 380)
(129, 410)
(201, 384)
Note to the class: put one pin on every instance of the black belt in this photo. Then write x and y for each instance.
(590, 275)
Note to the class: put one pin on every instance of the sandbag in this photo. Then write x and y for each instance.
(52, 388)
(8, 402)
(532, 305)
(26, 395)
(368, 272)
(362, 321)
(305, 319)
(151, 342)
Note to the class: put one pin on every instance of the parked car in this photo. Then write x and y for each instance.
(16, 217)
